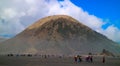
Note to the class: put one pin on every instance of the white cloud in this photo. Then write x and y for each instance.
(112, 32)
(30, 1)
(10, 13)
(18, 14)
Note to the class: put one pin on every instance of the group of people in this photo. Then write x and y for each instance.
(89, 58)
(77, 59)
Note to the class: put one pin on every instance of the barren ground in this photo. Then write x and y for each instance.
(38, 61)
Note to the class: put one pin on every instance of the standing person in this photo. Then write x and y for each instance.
(75, 59)
(87, 59)
(103, 59)
(90, 59)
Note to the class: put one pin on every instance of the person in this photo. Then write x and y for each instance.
(103, 60)
(87, 58)
(75, 59)
(45, 56)
(91, 59)
(80, 60)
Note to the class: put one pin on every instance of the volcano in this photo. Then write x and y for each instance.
(58, 34)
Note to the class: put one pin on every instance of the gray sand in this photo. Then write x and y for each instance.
(38, 61)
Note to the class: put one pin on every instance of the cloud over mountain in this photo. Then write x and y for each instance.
(58, 35)
(16, 15)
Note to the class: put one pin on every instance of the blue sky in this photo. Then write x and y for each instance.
(105, 9)
(100, 15)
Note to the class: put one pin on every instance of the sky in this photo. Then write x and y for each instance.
(100, 15)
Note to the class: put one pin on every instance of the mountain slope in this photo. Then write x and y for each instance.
(2, 39)
(58, 34)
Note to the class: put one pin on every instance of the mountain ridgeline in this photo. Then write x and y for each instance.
(58, 34)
